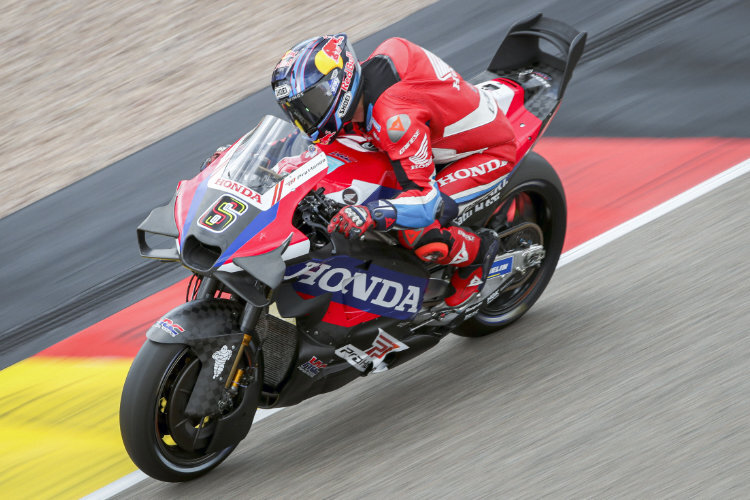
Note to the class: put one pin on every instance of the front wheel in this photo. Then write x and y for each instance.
(161, 440)
(534, 197)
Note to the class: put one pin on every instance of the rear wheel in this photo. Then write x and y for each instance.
(533, 203)
(160, 438)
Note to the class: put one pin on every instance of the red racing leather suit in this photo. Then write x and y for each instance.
(421, 113)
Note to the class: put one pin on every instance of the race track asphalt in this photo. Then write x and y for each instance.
(626, 379)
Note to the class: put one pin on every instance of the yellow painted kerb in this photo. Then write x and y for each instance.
(59, 427)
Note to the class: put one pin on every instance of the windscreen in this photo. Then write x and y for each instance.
(267, 154)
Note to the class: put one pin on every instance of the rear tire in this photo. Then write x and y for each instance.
(153, 427)
(534, 194)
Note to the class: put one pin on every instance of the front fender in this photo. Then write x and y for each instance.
(195, 323)
(211, 328)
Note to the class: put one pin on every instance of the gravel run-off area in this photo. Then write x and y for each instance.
(86, 83)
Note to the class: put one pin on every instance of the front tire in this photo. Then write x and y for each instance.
(534, 195)
(162, 441)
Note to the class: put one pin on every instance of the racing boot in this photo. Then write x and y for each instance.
(469, 279)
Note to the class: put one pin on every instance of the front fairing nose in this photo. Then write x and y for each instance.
(220, 220)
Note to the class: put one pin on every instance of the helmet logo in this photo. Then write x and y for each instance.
(333, 83)
(332, 48)
(344, 106)
(329, 57)
(287, 59)
(282, 91)
(348, 71)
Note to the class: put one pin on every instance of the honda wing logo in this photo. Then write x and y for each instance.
(422, 158)
(442, 70)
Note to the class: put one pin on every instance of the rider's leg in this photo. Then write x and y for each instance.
(472, 253)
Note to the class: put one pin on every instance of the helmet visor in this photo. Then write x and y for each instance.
(309, 108)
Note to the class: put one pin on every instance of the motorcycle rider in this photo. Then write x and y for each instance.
(447, 140)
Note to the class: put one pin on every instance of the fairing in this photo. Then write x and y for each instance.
(229, 208)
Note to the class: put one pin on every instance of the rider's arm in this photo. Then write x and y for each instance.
(405, 137)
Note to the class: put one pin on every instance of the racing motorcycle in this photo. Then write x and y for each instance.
(280, 310)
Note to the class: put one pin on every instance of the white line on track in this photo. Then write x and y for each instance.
(136, 477)
(571, 255)
(656, 212)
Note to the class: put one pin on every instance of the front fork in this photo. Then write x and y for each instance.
(250, 316)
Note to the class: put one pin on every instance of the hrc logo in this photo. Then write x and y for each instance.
(312, 368)
(170, 327)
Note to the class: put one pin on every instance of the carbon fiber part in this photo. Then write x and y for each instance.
(278, 341)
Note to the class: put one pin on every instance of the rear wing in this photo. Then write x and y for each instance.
(524, 47)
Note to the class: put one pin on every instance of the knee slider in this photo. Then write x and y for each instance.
(429, 244)
(432, 252)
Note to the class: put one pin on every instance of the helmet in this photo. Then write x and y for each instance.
(318, 84)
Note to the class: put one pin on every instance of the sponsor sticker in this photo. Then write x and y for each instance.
(542, 78)
(488, 200)
(492, 296)
(465, 173)
(235, 188)
(384, 344)
(326, 139)
(348, 72)
(423, 157)
(333, 83)
(312, 367)
(287, 59)
(358, 359)
(461, 257)
(307, 171)
(332, 48)
(342, 157)
(501, 267)
(476, 281)
(170, 327)
(381, 346)
(346, 100)
(376, 289)
(282, 91)
(409, 142)
(329, 57)
(220, 358)
(397, 126)
(472, 310)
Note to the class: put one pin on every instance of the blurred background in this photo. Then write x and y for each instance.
(85, 84)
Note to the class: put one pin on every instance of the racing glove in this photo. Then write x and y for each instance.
(352, 222)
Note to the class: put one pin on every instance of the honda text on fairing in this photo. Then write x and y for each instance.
(251, 226)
